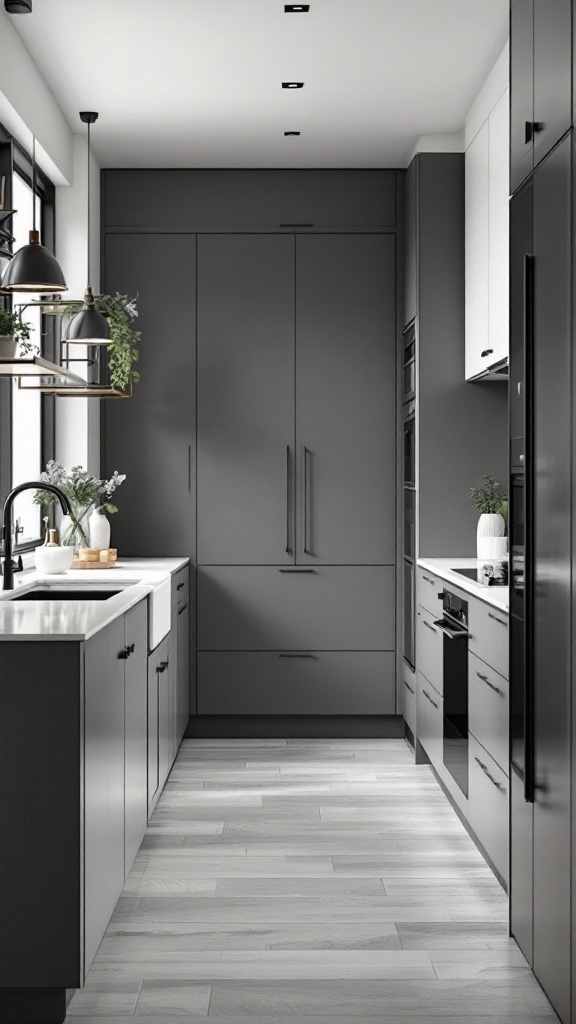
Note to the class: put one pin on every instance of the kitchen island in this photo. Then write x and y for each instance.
(94, 701)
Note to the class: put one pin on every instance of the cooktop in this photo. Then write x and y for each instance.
(482, 578)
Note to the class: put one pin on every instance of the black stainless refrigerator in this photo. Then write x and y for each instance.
(541, 452)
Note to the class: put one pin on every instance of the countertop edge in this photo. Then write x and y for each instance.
(497, 597)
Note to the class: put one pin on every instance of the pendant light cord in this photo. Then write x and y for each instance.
(88, 243)
(34, 183)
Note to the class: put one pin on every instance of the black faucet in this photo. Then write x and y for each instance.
(8, 566)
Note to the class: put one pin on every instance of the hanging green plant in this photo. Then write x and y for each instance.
(122, 351)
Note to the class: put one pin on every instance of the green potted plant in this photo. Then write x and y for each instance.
(85, 493)
(492, 505)
(122, 351)
(14, 334)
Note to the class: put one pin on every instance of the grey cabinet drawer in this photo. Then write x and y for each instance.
(427, 589)
(430, 711)
(270, 608)
(429, 648)
(409, 702)
(280, 683)
(488, 635)
(181, 587)
(488, 805)
(488, 710)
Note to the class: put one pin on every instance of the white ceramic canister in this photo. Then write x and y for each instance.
(99, 530)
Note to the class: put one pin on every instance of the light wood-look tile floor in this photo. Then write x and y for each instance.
(315, 881)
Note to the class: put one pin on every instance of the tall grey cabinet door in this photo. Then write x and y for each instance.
(345, 398)
(135, 731)
(551, 530)
(150, 437)
(246, 452)
(103, 782)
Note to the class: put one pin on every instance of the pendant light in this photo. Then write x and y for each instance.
(34, 268)
(88, 326)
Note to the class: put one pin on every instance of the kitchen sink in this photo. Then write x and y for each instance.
(64, 594)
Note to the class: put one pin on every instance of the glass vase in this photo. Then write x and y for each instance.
(74, 529)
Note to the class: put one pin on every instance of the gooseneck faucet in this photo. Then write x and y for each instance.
(8, 566)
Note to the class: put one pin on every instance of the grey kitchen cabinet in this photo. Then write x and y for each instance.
(103, 782)
(296, 683)
(429, 710)
(135, 732)
(267, 608)
(246, 454)
(345, 399)
(488, 801)
(488, 638)
(161, 712)
(429, 649)
(429, 592)
(409, 685)
(489, 710)
(152, 437)
(541, 81)
(179, 655)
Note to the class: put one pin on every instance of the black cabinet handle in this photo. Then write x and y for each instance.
(132, 648)
(531, 128)
(123, 654)
(487, 352)
(486, 772)
(182, 609)
(430, 699)
(162, 666)
(428, 626)
(288, 501)
(496, 619)
(296, 656)
(408, 687)
(180, 586)
(488, 683)
(299, 570)
(306, 457)
(427, 578)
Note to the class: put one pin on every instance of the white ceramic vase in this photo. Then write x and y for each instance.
(489, 525)
(99, 530)
(8, 347)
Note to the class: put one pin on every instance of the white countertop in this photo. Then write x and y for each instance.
(498, 597)
(80, 620)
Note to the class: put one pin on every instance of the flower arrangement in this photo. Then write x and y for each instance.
(83, 491)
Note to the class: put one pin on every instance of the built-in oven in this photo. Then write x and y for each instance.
(454, 626)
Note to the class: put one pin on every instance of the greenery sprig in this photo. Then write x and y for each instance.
(13, 326)
(489, 499)
(123, 353)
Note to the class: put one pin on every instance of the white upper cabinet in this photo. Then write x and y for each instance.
(487, 233)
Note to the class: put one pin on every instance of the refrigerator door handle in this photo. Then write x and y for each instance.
(529, 766)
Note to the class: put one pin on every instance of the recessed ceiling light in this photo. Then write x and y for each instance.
(296, 8)
(292, 85)
(291, 133)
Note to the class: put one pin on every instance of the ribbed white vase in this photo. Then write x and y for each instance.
(489, 525)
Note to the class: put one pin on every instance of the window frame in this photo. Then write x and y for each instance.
(20, 163)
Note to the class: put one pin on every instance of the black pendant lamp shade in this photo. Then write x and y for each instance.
(88, 326)
(34, 268)
(18, 6)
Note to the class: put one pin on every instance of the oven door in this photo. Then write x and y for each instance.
(455, 680)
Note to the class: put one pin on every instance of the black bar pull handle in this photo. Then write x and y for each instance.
(288, 501)
(528, 695)
(306, 460)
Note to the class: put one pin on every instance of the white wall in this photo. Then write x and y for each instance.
(78, 419)
(28, 108)
(491, 91)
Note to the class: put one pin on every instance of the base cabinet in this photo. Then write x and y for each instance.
(488, 800)
(159, 724)
(135, 738)
(429, 706)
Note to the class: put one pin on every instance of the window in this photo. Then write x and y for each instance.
(27, 416)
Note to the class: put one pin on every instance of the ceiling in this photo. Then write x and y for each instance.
(197, 83)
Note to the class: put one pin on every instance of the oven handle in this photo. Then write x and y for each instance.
(452, 634)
